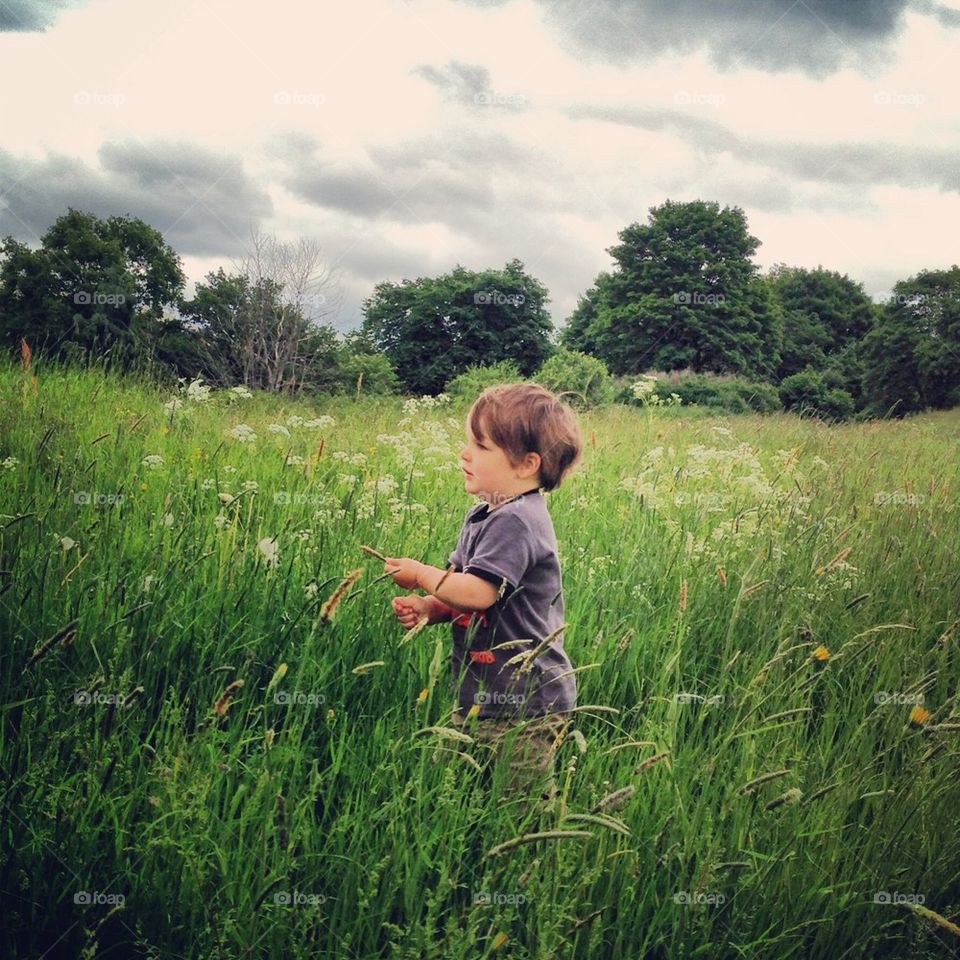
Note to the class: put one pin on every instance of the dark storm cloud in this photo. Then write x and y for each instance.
(815, 36)
(29, 16)
(845, 164)
(202, 202)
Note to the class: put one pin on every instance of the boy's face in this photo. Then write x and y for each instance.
(487, 470)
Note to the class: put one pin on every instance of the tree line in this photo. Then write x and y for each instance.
(683, 294)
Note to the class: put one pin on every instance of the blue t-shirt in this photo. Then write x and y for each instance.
(515, 548)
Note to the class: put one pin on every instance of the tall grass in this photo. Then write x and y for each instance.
(170, 789)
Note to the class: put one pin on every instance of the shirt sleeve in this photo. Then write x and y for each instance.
(504, 550)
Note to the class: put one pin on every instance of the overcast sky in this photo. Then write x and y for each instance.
(411, 135)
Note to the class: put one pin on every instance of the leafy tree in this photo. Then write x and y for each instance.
(913, 353)
(826, 315)
(684, 294)
(435, 328)
(94, 286)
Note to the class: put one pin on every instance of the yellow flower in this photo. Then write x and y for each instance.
(919, 716)
(821, 653)
(331, 713)
(143, 486)
(473, 711)
(423, 694)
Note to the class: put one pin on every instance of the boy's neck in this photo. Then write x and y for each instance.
(491, 506)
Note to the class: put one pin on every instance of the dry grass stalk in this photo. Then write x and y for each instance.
(533, 837)
(329, 608)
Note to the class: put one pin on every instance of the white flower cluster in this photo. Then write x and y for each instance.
(239, 393)
(243, 433)
(152, 460)
(417, 405)
(643, 391)
(354, 460)
(8, 463)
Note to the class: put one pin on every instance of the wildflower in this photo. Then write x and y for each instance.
(278, 428)
(294, 421)
(318, 422)
(821, 653)
(66, 543)
(919, 716)
(152, 460)
(473, 711)
(144, 487)
(168, 519)
(240, 393)
(423, 694)
(268, 547)
(251, 485)
(278, 675)
(172, 406)
(310, 590)
(225, 498)
(8, 463)
(243, 433)
(198, 393)
(220, 520)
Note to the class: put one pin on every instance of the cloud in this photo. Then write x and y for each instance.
(817, 37)
(29, 16)
(201, 201)
(848, 164)
(456, 81)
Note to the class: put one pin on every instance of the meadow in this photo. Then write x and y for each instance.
(202, 756)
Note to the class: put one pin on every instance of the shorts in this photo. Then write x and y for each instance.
(530, 762)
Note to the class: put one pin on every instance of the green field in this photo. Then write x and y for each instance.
(747, 597)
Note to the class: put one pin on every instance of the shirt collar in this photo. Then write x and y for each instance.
(483, 511)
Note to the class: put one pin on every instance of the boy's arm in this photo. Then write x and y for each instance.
(439, 612)
(462, 592)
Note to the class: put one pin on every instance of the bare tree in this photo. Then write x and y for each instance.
(294, 292)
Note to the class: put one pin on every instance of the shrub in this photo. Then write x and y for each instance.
(584, 381)
(475, 379)
(379, 375)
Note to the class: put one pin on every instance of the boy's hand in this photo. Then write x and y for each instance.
(410, 609)
(404, 571)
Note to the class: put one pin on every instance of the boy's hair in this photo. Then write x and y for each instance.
(524, 418)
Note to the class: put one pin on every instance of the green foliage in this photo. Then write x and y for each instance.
(375, 369)
(704, 560)
(474, 380)
(912, 356)
(583, 381)
(94, 288)
(435, 328)
(685, 294)
(734, 394)
(824, 315)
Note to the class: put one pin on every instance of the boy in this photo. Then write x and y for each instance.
(521, 439)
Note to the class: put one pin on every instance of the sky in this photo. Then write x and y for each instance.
(409, 136)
